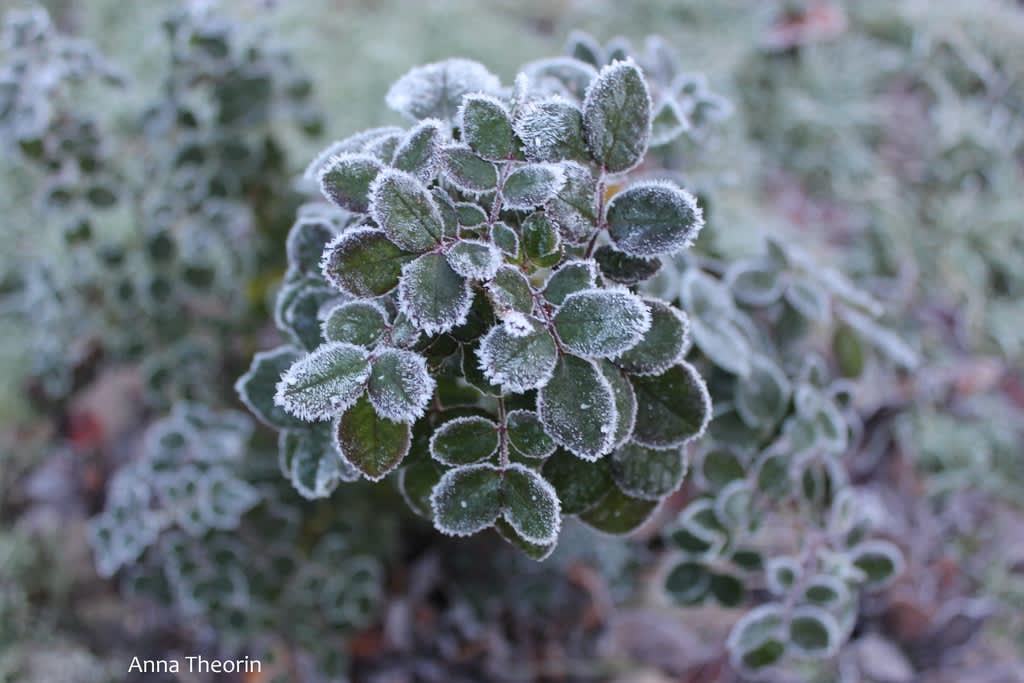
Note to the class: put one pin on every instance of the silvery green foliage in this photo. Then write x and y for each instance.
(460, 331)
(774, 453)
(193, 179)
(186, 478)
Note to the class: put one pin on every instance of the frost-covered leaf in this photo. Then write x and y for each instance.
(599, 323)
(432, 295)
(688, 583)
(617, 117)
(470, 215)
(406, 211)
(353, 144)
(662, 345)
(305, 245)
(532, 185)
(505, 239)
(436, 90)
(385, 146)
(583, 47)
(346, 180)
(625, 402)
(762, 397)
(467, 499)
(619, 513)
(668, 123)
(509, 290)
(419, 153)
(574, 208)
(577, 407)
(363, 262)
(400, 386)
(530, 505)
(881, 561)
(718, 467)
(648, 473)
(474, 259)
(362, 323)
(813, 632)
(527, 436)
(467, 171)
(535, 551)
(758, 640)
(571, 277)
(372, 444)
(310, 460)
(561, 76)
(324, 383)
(518, 361)
(552, 130)
(809, 299)
(541, 240)
(474, 375)
(446, 207)
(257, 386)
(721, 340)
(464, 440)
(301, 317)
(580, 485)
(672, 407)
(486, 126)
(755, 282)
(653, 218)
(623, 268)
(416, 481)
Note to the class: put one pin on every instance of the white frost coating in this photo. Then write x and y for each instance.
(775, 567)
(338, 309)
(574, 210)
(324, 383)
(457, 310)
(515, 238)
(561, 417)
(602, 323)
(475, 259)
(518, 362)
(340, 161)
(459, 182)
(667, 361)
(413, 233)
(738, 646)
(242, 382)
(443, 497)
(342, 240)
(442, 431)
(437, 89)
(532, 185)
(545, 503)
(546, 126)
(355, 143)
(834, 633)
(590, 265)
(438, 129)
(660, 231)
(608, 88)
(469, 129)
(516, 324)
(400, 385)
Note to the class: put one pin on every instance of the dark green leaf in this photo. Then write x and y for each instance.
(647, 473)
(672, 407)
(372, 444)
(651, 219)
(432, 295)
(325, 382)
(405, 209)
(577, 407)
(363, 262)
(617, 117)
(464, 440)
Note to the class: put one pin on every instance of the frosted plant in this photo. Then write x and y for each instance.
(453, 325)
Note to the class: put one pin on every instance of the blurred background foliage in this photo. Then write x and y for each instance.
(885, 138)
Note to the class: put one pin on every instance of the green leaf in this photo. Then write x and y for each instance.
(781, 574)
(486, 126)
(310, 460)
(552, 130)
(518, 360)
(583, 47)
(362, 323)
(400, 385)
(437, 89)
(721, 340)
(620, 267)
(688, 583)
(467, 171)
(464, 440)
(617, 117)
(324, 383)
(474, 259)
(301, 316)
(363, 262)
(647, 473)
(372, 444)
(625, 402)
(467, 500)
(718, 467)
(762, 397)
(619, 513)
(673, 407)
(663, 345)
(849, 352)
(600, 323)
(571, 276)
(470, 214)
(505, 238)
(474, 375)
(509, 290)
(541, 241)
(813, 632)
(755, 282)
(561, 74)
(432, 295)
(580, 485)
(668, 123)
(416, 481)
(651, 219)
(346, 180)
(534, 551)
(880, 561)
(305, 245)
(257, 386)
(530, 505)
(809, 299)
(758, 640)
(577, 407)
(419, 154)
(531, 185)
(574, 207)
(527, 436)
(405, 209)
